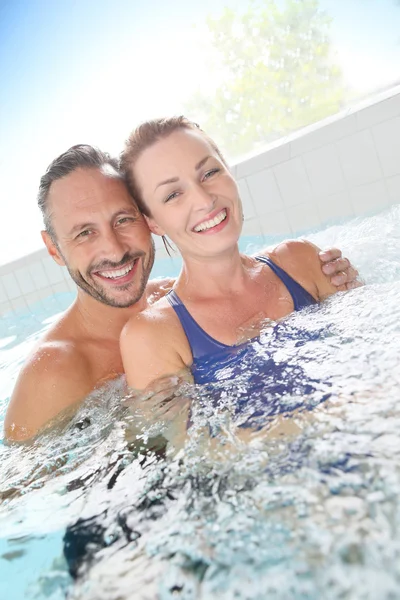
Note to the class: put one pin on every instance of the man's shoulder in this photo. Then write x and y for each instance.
(55, 357)
(54, 376)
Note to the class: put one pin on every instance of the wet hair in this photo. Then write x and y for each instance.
(81, 156)
(145, 136)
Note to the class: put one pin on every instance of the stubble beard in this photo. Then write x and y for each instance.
(94, 289)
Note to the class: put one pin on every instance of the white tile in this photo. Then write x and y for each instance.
(324, 171)
(71, 285)
(19, 304)
(326, 132)
(61, 287)
(303, 217)
(378, 112)
(359, 159)
(45, 293)
(32, 298)
(25, 280)
(3, 295)
(387, 141)
(368, 198)
(293, 182)
(53, 270)
(265, 192)
(5, 307)
(251, 227)
(39, 276)
(393, 187)
(334, 207)
(275, 224)
(272, 155)
(11, 286)
(247, 203)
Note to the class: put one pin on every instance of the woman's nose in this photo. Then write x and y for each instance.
(203, 199)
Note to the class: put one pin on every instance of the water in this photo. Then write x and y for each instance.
(308, 509)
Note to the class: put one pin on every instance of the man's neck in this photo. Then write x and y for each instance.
(100, 320)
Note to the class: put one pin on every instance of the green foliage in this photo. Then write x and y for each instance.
(277, 74)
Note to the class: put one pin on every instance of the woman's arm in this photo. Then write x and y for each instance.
(149, 349)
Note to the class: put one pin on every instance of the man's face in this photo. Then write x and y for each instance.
(101, 236)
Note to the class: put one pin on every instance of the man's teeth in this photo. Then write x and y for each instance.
(118, 273)
(212, 222)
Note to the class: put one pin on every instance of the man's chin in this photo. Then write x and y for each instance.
(122, 298)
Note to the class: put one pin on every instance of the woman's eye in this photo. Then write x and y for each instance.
(210, 173)
(171, 196)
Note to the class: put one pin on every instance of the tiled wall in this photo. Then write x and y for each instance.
(345, 166)
(26, 281)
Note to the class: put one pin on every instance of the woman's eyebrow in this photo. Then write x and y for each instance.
(175, 179)
(202, 162)
(171, 180)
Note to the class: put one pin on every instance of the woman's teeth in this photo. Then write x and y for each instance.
(117, 273)
(212, 222)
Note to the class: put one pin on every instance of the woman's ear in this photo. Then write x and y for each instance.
(154, 228)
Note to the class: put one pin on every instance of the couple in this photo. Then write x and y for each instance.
(178, 178)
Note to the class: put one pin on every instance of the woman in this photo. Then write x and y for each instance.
(183, 186)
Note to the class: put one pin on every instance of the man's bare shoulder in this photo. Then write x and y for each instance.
(157, 288)
(55, 375)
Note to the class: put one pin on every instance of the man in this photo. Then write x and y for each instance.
(93, 227)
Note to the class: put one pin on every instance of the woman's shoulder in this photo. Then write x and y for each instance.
(150, 319)
(292, 251)
(300, 259)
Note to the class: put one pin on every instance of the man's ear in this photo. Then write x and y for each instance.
(154, 228)
(52, 249)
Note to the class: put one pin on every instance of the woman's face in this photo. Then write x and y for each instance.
(190, 193)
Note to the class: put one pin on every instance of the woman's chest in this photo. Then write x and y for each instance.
(238, 317)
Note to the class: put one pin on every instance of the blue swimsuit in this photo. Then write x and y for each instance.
(251, 372)
(208, 352)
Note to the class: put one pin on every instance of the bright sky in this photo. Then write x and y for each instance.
(88, 71)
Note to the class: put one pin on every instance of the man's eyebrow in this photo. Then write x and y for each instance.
(175, 179)
(82, 226)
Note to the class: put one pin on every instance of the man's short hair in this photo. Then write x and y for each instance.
(81, 156)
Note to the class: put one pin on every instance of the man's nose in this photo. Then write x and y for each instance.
(114, 246)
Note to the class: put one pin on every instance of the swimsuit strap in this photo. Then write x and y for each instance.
(301, 298)
(202, 344)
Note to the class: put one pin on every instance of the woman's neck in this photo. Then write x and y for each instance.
(215, 276)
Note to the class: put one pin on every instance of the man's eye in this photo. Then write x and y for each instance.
(124, 220)
(210, 173)
(84, 233)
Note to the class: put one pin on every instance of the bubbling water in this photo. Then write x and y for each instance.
(304, 506)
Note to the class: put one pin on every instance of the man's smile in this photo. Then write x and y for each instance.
(119, 275)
